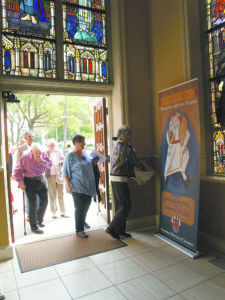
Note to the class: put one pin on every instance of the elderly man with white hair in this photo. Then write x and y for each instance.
(29, 175)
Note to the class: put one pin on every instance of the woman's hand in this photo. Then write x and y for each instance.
(69, 189)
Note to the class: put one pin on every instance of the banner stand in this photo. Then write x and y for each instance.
(177, 246)
(180, 166)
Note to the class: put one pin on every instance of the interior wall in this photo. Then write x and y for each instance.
(118, 67)
(166, 65)
(139, 83)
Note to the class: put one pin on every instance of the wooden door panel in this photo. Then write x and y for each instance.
(101, 145)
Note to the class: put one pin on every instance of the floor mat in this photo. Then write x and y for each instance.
(61, 249)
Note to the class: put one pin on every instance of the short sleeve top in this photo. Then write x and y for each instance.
(79, 170)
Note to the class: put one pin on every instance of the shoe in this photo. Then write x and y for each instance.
(54, 216)
(37, 230)
(41, 224)
(28, 219)
(2, 297)
(64, 216)
(126, 234)
(86, 225)
(82, 234)
(112, 233)
(15, 211)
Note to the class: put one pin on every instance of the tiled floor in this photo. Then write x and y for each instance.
(147, 268)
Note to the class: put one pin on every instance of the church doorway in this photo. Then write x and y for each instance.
(57, 117)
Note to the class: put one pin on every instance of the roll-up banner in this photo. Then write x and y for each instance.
(180, 166)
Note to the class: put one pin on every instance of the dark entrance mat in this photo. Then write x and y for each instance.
(62, 249)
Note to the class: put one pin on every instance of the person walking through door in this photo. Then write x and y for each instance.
(80, 182)
(25, 148)
(29, 175)
(55, 189)
(123, 161)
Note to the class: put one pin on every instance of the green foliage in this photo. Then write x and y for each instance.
(46, 115)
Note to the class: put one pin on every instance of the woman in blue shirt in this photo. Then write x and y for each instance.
(80, 182)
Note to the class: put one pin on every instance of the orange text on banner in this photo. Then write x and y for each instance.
(183, 207)
(175, 98)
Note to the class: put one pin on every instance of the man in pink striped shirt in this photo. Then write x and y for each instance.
(29, 175)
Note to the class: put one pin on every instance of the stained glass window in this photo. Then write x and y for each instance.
(216, 70)
(85, 44)
(28, 38)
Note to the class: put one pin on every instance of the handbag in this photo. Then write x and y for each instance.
(59, 176)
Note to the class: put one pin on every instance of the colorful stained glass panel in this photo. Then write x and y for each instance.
(83, 26)
(28, 57)
(215, 13)
(34, 18)
(96, 4)
(85, 63)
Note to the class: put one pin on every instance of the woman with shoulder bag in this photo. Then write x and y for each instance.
(55, 180)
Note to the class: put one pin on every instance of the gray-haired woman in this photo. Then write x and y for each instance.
(80, 182)
(123, 161)
(55, 189)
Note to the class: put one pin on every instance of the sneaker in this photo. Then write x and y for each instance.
(112, 233)
(54, 216)
(86, 225)
(82, 234)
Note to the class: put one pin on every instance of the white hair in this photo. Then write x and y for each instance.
(50, 141)
(36, 146)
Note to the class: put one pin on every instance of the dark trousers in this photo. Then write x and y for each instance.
(122, 201)
(81, 204)
(36, 187)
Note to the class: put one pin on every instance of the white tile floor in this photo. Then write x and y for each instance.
(147, 268)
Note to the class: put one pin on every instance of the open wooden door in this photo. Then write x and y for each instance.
(8, 170)
(101, 145)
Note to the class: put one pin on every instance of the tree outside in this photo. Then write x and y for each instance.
(53, 116)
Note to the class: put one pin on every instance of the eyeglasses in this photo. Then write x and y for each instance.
(52, 145)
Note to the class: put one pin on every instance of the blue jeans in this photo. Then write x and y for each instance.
(81, 204)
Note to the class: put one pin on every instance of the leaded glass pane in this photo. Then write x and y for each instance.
(85, 63)
(98, 4)
(28, 38)
(85, 49)
(215, 13)
(216, 71)
(28, 57)
(34, 18)
(84, 26)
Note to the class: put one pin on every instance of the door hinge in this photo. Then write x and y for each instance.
(106, 111)
(110, 206)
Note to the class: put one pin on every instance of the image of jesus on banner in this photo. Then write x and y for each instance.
(177, 138)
